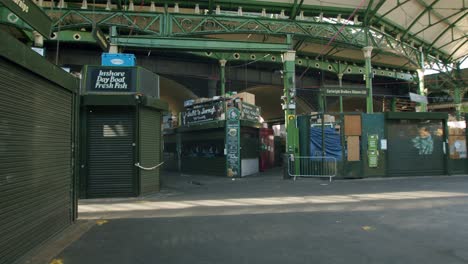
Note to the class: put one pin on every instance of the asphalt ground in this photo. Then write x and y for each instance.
(265, 219)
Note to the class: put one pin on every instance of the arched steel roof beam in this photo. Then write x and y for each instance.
(426, 9)
(447, 29)
(368, 10)
(391, 10)
(376, 9)
(296, 9)
(455, 40)
(440, 21)
(459, 46)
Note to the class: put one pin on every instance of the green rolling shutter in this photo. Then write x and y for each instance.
(111, 170)
(36, 172)
(150, 149)
(411, 155)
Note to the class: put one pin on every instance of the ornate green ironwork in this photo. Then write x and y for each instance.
(191, 25)
(139, 23)
(337, 67)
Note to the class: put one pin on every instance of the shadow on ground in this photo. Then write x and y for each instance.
(269, 220)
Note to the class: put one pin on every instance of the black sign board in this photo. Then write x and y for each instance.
(233, 164)
(110, 79)
(100, 38)
(202, 113)
(344, 91)
(250, 112)
(30, 13)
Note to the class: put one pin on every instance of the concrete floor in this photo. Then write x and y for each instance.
(264, 219)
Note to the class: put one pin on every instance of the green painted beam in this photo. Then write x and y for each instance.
(337, 67)
(368, 11)
(376, 9)
(211, 6)
(247, 6)
(71, 36)
(30, 13)
(193, 44)
(426, 9)
(433, 50)
(190, 25)
(9, 18)
(296, 9)
(15, 51)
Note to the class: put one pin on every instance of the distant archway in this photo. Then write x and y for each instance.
(268, 98)
(174, 94)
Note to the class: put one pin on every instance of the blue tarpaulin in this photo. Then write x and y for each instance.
(332, 142)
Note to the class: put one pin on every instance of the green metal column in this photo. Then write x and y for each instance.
(394, 101)
(114, 48)
(340, 83)
(368, 74)
(457, 93)
(222, 76)
(289, 105)
(457, 97)
(421, 89)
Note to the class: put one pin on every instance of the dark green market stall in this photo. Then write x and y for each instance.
(218, 145)
(121, 130)
(38, 139)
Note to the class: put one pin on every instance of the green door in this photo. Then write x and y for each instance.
(150, 149)
(415, 147)
(110, 149)
(36, 127)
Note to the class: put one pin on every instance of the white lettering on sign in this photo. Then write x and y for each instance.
(21, 4)
(346, 92)
(111, 80)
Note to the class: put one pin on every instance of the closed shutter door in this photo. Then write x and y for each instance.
(415, 147)
(150, 149)
(111, 170)
(203, 152)
(35, 160)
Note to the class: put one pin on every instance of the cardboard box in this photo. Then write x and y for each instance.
(246, 97)
(353, 148)
(329, 119)
(352, 125)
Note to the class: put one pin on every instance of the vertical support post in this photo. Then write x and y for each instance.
(340, 83)
(457, 97)
(423, 106)
(394, 103)
(367, 56)
(421, 89)
(320, 99)
(457, 93)
(289, 105)
(222, 76)
(113, 47)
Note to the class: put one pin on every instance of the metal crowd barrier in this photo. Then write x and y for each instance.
(312, 166)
